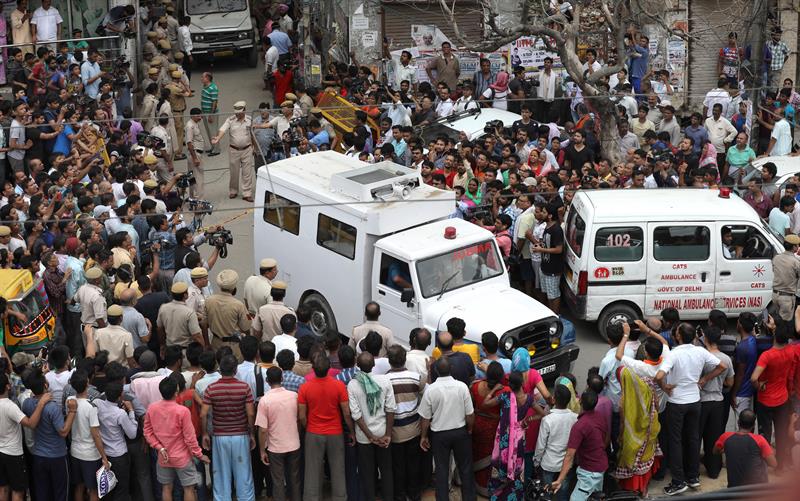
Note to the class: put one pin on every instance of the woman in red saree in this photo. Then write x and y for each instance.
(487, 416)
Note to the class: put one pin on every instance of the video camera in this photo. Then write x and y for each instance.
(146, 246)
(150, 141)
(199, 207)
(492, 126)
(186, 180)
(220, 239)
(481, 213)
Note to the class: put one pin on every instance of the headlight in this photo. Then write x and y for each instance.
(553, 330)
(198, 38)
(243, 35)
(508, 344)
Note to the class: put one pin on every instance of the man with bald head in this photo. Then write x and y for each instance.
(447, 418)
(372, 406)
(461, 367)
(133, 321)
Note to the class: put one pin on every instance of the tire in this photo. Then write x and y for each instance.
(613, 314)
(322, 317)
(252, 57)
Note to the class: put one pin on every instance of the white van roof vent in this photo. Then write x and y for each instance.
(381, 181)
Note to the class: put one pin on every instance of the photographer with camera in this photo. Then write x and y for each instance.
(162, 232)
(188, 242)
(162, 149)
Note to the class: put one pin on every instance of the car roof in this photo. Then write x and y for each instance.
(677, 204)
(784, 163)
(470, 122)
(428, 240)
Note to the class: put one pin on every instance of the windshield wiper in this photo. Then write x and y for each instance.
(446, 283)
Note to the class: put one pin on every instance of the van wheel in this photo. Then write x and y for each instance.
(322, 319)
(614, 314)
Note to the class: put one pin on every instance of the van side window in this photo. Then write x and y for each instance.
(286, 218)
(744, 242)
(576, 230)
(619, 244)
(395, 273)
(681, 243)
(336, 236)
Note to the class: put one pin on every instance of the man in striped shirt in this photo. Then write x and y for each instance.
(209, 97)
(406, 454)
(233, 417)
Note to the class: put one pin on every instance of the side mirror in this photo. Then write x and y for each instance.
(407, 296)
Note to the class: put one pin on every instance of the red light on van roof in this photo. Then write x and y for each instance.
(450, 232)
(724, 193)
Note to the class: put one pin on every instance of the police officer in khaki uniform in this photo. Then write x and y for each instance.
(164, 167)
(5, 237)
(172, 25)
(196, 145)
(149, 47)
(161, 28)
(177, 101)
(786, 273)
(227, 316)
(177, 323)
(90, 297)
(257, 287)
(197, 300)
(151, 78)
(240, 156)
(179, 58)
(267, 323)
(115, 339)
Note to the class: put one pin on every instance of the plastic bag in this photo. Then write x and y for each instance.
(106, 481)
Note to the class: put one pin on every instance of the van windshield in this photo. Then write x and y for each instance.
(198, 7)
(460, 267)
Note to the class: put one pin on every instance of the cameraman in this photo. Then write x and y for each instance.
(187, 243)
(163, 232)
(118, 20)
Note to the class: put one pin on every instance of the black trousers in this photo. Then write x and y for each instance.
(459, 443)
(711, 427)
(121, 466)
(371, 456)
(406, 468)
(261, 475)
(285, 471)
(74, 335)
(778, 417)
(683, 421)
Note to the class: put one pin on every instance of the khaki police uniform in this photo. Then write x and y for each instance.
(179, 322)
(786, 272)
(93, 304)
(240, 156)
(268, 320)
(226, 317)
(361, 331)
(117, 341)
(257, 292)
(194, 140)
(177, 101)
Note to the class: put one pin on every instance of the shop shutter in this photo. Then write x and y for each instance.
(710, 21)
(398, 18)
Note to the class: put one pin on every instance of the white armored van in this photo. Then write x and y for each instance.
(346, 232)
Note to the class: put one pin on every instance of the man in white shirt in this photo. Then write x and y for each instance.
(271, 55)
(185, 40)
(655, 349)
(721, 132)
(444, 108)
(551, 445)
(547, 81)
(780, 142)
(628, 101)
(287, 340)
(372, 406)
(405, 71)
(446, 409)
(717, 95)
(680, 378)
(417, 358)
(46, 23)
(466, 101)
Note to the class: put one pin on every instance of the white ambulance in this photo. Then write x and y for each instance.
(345, 232)
(633, 253)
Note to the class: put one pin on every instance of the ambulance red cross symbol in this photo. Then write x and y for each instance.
(758, 271)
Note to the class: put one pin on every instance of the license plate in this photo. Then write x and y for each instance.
(223, 53)
(547, 370)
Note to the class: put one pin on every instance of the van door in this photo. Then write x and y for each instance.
(681, 268)
(391, 275)
(744, 268)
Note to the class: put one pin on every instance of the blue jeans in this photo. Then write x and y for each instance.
(563, 492)
(589, 482)
(232, 462)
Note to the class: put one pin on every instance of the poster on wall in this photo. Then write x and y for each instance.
(530, 53)
(676, 62)
(427, 36)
